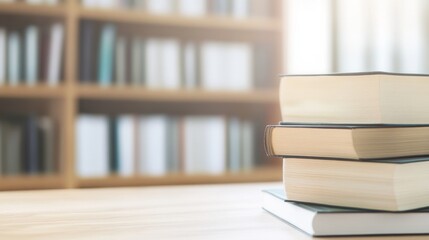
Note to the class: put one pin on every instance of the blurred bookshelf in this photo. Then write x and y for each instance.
(65, 96)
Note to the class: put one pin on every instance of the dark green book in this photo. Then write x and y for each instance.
(320, 220)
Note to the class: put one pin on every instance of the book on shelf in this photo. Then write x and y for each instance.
(56, 49)
(106, 54)
(351, 142)
(88, 59)
(92, 143)
(169, 63)
(14, 58)
(3, 54)
(155, 145)
(355, 98)
(395, 184)
(31, 54)
(27, 145)
(322, 220)
(239, 9)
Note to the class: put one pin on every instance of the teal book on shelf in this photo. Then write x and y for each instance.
(107, 42)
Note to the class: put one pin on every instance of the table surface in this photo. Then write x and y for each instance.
(179, 212)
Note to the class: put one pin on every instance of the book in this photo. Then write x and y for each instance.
(14, 58)
(3, 56)
(92, 143)
(87, 54)
(237, 65)
(192, 8)
(355, 98)
(121, 61)
(170, 64)
(396, 184)
(126, 145)
(12, 146)
(247, 145)
(347, 141)
(106, 55)
(205, 144)
(234, 144)
(55, 58)
(31, 162)
(153, 63)
(321, 220)
(136, 61)
(240, 8)
(113, 145)
(48, 146)
(31, 54)
(212, 68)
(153, 145)
(189, 65)
(160, 6)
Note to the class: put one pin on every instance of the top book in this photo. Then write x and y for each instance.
(355, 98)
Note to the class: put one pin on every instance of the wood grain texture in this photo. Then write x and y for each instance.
(184, 212)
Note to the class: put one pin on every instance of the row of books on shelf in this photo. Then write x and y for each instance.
(27, 145)
(111, 58)
(191, 8)
(34, 2)
(154, 145)
(31, 54)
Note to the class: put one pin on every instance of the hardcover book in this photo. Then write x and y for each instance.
(320, 220)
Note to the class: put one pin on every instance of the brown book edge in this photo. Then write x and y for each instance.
(267, 141)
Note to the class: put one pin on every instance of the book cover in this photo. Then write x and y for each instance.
(14, 58)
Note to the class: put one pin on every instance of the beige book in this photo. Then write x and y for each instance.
(393, 185)
(374, 97)
(347, 142)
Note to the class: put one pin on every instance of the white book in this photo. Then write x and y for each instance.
(352, 30)
(121, 61)
(90, 3)
(3, 54)
(309, 32)
(52, 2)
(247, 145)
(136, 62)
(234, 144)
(205, 144)
(238, 66)
(212, 59)
(153, 63)
(34, 2)
(160, 6)
(126, 136)
(192, 8)
(240, 8)
(190, 65)
(170, 65)
(55, 54)
(14, 59)
(31, 54)
(153, 145)
(92, 142)
(320, 220)
(107, 3)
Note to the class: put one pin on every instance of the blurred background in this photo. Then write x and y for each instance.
(106, 93)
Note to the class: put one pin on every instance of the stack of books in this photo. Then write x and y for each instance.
(355, 151)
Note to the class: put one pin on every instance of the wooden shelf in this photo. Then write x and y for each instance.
(264, 175)
(33, 10)
(32, 92)
(30, 182)
(143, 94)
(219, 23)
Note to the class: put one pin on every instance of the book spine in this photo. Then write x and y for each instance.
(121, 61)
(14, 58)
(3, 54)
(87, 52)
(32, 54)
(55, 54)
(107, 40)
